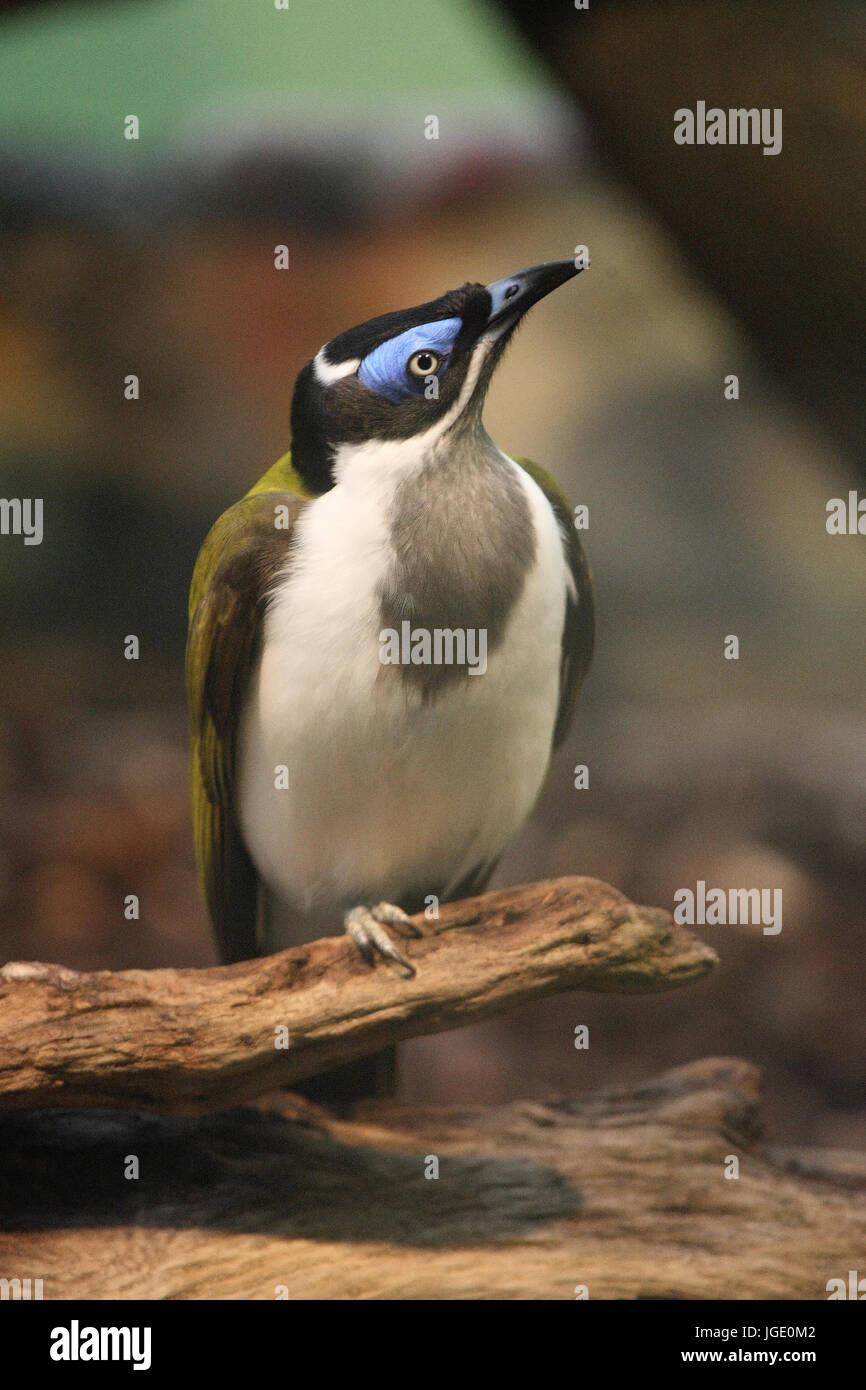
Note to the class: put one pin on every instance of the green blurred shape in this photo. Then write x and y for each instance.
(71, 73)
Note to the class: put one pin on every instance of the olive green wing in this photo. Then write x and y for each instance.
(578, 633)
(238, 562)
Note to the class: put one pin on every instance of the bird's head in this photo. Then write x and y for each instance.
(413, 375)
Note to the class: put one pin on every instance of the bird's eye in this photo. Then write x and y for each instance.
(423, 363)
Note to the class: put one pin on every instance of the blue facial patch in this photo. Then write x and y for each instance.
(384, 369)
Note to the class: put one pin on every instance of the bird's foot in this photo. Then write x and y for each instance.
(366, 927)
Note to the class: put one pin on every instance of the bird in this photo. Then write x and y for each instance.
(387, 637)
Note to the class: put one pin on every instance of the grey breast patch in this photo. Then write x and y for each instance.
(463, 542)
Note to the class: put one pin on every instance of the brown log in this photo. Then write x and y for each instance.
(623, 1192)
(186, 1042)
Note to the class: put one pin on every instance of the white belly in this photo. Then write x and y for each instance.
(386, 794)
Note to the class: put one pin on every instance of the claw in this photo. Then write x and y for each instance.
(392, 916)
(356, 929)
(369, 936)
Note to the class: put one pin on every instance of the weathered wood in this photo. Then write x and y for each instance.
(623, 1192)
(186, 1042)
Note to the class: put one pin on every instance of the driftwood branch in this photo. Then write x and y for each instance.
(187, 1042)
(630, 1194)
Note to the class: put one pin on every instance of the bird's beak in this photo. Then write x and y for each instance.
(515, 294)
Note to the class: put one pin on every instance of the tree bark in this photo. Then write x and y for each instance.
(628, 1194)
(186, 1042)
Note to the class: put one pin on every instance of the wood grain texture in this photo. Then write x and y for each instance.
(623, 1192)
(186, 1042)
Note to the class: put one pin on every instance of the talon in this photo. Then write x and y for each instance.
(367, 933)
(392, 916)
(383, 943)
(358, 932)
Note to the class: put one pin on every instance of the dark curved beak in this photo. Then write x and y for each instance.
(515, 294)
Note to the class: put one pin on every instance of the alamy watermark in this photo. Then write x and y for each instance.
(714, 907)
(20, 1289)
(738, 125)
(77, 1343)
(439, 646)
(22, 516)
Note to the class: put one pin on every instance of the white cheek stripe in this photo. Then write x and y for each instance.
(476, 362)
(329, 372)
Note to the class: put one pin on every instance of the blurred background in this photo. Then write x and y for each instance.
(307, 127)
